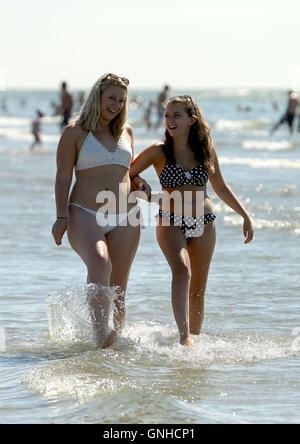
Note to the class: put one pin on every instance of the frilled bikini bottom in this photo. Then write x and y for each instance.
(190, 226)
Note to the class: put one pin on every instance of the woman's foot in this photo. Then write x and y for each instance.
(187, 342)
(105, 342)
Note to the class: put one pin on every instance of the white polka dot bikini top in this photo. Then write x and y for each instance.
(93, 153)
(174, 176)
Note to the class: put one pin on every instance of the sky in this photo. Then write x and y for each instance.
(185, 43)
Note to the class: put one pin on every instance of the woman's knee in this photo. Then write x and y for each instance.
(99, 268)
(181, 270)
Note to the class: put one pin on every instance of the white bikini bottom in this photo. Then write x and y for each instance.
(110, 221)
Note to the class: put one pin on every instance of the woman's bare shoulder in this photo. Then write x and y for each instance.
(128, 129)
(73, 131)
(158, 149)
(155, 153)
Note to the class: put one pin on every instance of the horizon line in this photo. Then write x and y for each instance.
(147, 88)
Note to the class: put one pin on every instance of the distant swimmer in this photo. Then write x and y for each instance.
(4, 106)
(55, 108)
(81, 98)
(23, 102)
(246, 108)
(36, 129)
(289, 115)
(148, 114)
(66, 104)
(134, 103)
(162, 97)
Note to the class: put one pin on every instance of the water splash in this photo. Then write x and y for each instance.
(146, 352)
(69, 313)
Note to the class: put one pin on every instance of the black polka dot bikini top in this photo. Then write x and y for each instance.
(174, 176)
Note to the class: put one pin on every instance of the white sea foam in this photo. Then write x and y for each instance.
(208, 349)
(14, 122)
(89, 375)
(268, 145)
(288, 190)
(69, 380)
(25, 135)
(259, 224)
(240, 125)
(261, 163)
(26, 121)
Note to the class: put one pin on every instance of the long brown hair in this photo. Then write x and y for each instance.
(199, 138)
(89, 115)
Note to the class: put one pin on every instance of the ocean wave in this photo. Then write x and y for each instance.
(25, 135)
(260, 224)
(25, 121)
(288, 190)
(261, 163)
(14, 121)
(268, 145)
(240, 125)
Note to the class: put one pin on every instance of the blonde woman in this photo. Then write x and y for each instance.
(184, 163)
(99, 145)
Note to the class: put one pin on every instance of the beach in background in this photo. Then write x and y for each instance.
(245, 365)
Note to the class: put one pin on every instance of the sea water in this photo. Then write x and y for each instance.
(244, 367)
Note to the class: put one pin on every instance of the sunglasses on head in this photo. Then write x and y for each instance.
(115, 77)
(185, 97)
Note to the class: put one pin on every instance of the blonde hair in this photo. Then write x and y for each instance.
(89, 115)
(200, 139)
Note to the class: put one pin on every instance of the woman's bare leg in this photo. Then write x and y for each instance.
(200, 252)
(173, 245)
(122, 244)
(89, 242)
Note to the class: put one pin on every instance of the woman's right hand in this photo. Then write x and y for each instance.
(58, 230)
(145, 188)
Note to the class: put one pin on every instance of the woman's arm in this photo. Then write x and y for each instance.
(137, 182)
(65, 160)
(145, 159)
(225, 193)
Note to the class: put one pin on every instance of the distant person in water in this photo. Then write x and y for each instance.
(148, 113)
(289, 115)
(36, 129)
(23, 102)
(4, 106)
(246, 108)
(81, 98)
(66, 104)
(161, 99)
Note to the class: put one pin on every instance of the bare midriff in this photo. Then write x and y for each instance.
(195, 201)
(90, 182)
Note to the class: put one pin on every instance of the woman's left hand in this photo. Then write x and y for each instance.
(140, 184)
(248, 230)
